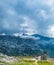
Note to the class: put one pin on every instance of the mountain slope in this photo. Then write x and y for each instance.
(28, 45)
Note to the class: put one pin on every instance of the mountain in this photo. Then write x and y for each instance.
(26, 45)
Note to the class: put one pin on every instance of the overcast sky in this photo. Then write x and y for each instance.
(27, 16)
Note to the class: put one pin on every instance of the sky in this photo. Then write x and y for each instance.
(27, 17)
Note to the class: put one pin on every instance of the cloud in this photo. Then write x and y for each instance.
(47, 7)
(42, 14)
(50, 31)
(8, 25)
(3, 34)
(33, 3)
(29, 26)
(26, 16)
(9, 2)
(11, 12)
(17, 34)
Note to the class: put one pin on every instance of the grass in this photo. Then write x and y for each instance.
(26, 61)
(45, 63)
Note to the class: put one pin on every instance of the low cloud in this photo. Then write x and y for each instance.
(27, 16)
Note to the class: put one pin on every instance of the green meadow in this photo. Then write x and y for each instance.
(27, 61)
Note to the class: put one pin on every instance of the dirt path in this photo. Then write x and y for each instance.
(36, 63)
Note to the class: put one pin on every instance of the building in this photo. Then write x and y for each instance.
(44, 55)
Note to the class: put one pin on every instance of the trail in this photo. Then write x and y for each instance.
(36, 62)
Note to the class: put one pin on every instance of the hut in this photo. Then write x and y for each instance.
(44, 55)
